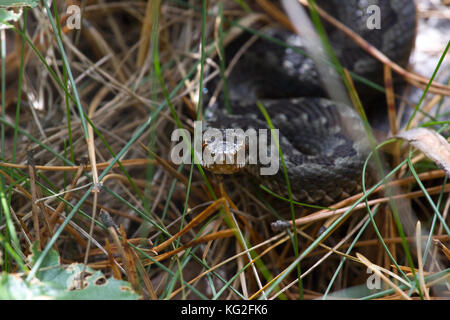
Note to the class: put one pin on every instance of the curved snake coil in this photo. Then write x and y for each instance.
(323, 142)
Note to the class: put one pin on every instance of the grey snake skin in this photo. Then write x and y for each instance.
(323, 142)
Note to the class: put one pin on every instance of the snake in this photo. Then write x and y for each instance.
(323, 142)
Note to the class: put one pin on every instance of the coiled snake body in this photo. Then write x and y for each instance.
(322, 141)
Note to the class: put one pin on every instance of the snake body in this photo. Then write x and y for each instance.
(322, 141)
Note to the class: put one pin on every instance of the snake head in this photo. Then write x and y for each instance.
(223, 151)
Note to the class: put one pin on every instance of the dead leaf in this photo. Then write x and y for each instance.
(432, 144)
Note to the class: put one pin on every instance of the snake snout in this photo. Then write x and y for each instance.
(224, 151)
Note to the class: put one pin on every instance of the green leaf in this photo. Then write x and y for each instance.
(8, 16)
(11, 16)
(59, 282)
(50, 268)
(17, 3)
(13, 287)
(97, 287)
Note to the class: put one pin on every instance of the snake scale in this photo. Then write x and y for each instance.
(323, 142)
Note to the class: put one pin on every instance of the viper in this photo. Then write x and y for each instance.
(323, 142)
